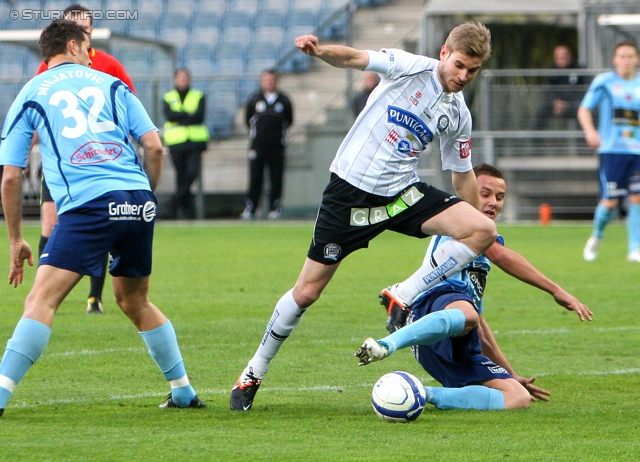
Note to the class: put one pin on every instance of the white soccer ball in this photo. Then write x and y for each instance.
(398, 397)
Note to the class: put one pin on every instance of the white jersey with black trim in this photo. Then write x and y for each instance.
(406, 111)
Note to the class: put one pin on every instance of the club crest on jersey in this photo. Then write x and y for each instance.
(443, 123)
(406, 119)
(96, 152)
(332, 252)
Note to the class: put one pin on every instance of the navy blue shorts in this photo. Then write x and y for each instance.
(119, 222)
(456, 361)
(349, 218)
(619, 175)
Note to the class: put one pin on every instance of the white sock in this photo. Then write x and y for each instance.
(448, 259)
(286, 316)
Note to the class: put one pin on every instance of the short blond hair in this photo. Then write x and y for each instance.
(471, 38)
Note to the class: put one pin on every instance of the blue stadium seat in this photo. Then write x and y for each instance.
(336, 29)
(149, 10)
(13, 59)
(204, 28)
(312, 5)
(236, 26)
(270, 18)
(229, 58)
(174, 29)
(181, 7)
(247, 7)
(197, 51)
(261, 56)
(303, 18)
(145, 27)
(279, 5)
(214, 6)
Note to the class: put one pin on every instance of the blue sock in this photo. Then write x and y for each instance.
(163, 348)
(601, 219)
(427, 330)
(633, 226)
(470, 397)
(29, 340)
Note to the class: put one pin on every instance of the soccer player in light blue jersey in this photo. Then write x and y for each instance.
(104, 200)
(448, 334)
(616, 96)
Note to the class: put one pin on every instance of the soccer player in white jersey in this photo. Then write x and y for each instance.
(104, 200)
(450, 337)
(374, 185)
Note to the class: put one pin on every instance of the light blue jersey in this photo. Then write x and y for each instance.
(83, 118)
(471, 280)
(618, 103)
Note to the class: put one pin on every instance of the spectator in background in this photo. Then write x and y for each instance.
(371, 81)
(104, 62)
(561, 100)
(616, 96)
(186, 136)
(268, 115)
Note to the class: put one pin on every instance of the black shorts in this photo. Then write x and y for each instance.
(349, 218)
(45, 194)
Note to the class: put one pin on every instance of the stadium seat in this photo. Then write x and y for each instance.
(248, 7)
(197, 51)
(174, 29)
(236, 26)
(269, 18)
(229, 58)
(181, 7)
(13, 59)
(149, 10)
(312, 5)
(278, 5)
(220, 123)
(204, 28)
(212, 6)
(336, 29)
(145, 27)
(303, 18)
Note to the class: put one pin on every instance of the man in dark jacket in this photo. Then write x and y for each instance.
(268, 115)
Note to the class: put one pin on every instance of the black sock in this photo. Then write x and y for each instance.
(97, 283)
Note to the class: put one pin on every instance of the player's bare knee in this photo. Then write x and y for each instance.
(306, 295)
(486, 233)
(517, 398)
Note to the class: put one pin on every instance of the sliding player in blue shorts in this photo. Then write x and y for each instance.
(450, 338)
(104, 200)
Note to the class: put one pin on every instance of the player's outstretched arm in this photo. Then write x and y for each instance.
(492, 351)
(12, 207)
(335, 55)
(514, 264)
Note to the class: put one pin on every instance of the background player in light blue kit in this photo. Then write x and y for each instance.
(616, 95)
(104, 200)
(448, 334)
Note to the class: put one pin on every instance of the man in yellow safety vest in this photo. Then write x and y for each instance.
(186, 136)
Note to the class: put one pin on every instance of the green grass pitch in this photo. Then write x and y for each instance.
(94, 393)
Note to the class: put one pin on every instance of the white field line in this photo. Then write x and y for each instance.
(322, 388)
(319, 388)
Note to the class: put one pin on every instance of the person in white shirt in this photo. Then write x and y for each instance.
(374, 185)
